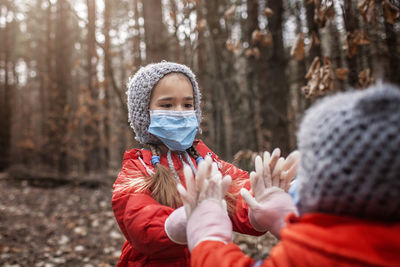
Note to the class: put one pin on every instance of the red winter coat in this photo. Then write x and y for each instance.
(315, 240)
(141, 219)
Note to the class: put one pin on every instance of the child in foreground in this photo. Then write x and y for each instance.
(347, 192)
(164, 112)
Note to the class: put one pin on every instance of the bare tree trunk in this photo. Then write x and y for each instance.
(313, 30)
(5, 93)
(303, 103)
(107, 109)
(156, 45)
(350, 25)
(392, 54)
(336, 54)
(175, 42)
(137, 54)
(49, 87)
(256, 140)
(274, 86)
(63, 79)
(221, 70)
(92, 127)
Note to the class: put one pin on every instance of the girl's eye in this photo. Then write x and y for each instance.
(166, 105)
(188, 105)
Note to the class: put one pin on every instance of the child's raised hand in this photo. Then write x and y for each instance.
(276, 170)
(207, 185)
(205, 205)
(270, 203)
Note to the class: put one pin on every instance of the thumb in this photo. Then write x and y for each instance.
(225, 184)
(250, 200)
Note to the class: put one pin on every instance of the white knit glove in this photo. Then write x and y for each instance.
(205, 205)
(270, 204)
(174, 226)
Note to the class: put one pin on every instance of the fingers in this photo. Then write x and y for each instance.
(203, 171)
(250, 200)
(287, 176)
(187, 200)
(259, 166)
(214, 189)
(204, 190)
(267, 170)
(277, 172)
(289, 169)
(257, 184)
(190, 184)
(274, 158)
(214, 169)
(208, 159)
(225, 184)
(293, 158)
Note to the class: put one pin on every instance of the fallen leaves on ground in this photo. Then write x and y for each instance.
(57, 224)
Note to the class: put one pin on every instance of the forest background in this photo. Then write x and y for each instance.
(260, 64)
(64, 66)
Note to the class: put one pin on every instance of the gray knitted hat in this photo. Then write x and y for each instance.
(140, 86)
(350, 155)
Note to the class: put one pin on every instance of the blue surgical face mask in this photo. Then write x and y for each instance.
(176, 129)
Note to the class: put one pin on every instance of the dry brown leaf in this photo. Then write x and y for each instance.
(172, 15)
(230, 12)
(252, 52)
(390, 12)
(267, 39)
(323, 11)
(256, 52)
(353, 41)
(201, 24)
(248, 53)
(365, 78)
(364, 39)
(186, 2)
(298, 47)
(314, 65)
(320, 79)
(313, 40)
(330, 12)
(268, 12)
(256, 36)
(341, 73)
(27, 143)
(232, 45)
(368, 10)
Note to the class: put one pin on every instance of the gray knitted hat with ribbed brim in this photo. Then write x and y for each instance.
(350, 155)
(140, 86)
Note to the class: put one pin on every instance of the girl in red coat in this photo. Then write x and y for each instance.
(164, 112)
(347, 192)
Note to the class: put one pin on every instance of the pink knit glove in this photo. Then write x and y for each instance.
(270, 204)
(175, 226)
(205, 205)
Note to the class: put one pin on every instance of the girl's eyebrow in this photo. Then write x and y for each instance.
(165, 99)
(172, 98)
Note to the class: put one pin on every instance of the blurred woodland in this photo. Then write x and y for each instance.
(260, 64)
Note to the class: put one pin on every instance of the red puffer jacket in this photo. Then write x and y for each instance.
(141, 219)
(315, 240)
